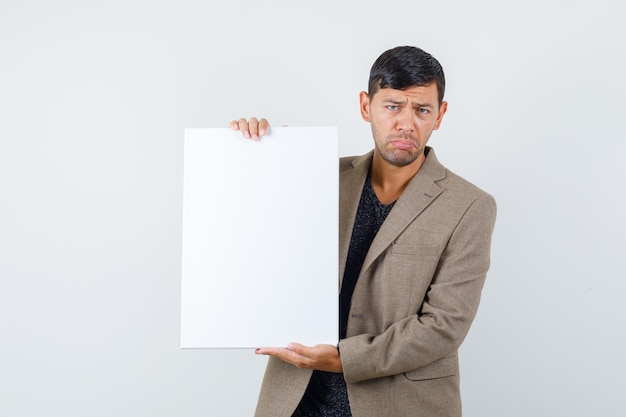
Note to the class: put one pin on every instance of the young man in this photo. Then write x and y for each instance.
(414, 243)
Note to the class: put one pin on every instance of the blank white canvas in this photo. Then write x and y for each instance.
(260, 238)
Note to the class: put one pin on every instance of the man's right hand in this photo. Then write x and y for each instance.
(252, 128)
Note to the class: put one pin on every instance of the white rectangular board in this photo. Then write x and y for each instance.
(260, 238)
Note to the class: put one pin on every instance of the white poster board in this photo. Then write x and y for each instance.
(260, 238)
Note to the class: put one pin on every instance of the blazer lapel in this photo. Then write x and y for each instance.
(419, 193)
(351, 183)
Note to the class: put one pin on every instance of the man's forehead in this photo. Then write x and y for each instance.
(421, 93)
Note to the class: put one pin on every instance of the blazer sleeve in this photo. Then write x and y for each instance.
(447, 310)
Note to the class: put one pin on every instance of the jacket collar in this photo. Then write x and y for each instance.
(421, 191)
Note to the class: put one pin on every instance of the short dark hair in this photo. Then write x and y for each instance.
(405, 67)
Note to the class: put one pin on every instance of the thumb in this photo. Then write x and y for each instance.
(296, 347)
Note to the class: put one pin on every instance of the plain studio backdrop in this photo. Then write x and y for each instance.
(94, 97)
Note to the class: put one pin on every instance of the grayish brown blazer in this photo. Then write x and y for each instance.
(414, 301)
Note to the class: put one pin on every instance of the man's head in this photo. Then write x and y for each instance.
(404, 67)
(404, 104)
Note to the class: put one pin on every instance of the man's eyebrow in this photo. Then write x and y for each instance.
(392, 101)
(413, 104)
(416, 104)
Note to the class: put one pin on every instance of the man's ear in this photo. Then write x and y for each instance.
(364, 104)
(442, 110)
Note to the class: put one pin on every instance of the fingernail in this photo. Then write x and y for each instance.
(247, 134)
(291, 346)
(261, 132)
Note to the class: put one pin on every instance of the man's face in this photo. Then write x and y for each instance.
(402, 121)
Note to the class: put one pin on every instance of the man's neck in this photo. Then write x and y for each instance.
(389, 181)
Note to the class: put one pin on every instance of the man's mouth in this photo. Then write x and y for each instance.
(402, 144)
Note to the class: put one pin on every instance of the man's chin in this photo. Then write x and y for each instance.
(400, 157)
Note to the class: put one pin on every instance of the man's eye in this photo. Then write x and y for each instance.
(423, 111)
(392, 107)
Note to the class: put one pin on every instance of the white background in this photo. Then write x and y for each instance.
(94, 97)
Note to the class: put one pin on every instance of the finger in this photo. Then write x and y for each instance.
(267, 351)
(293, 357)
(243, 127)
(263, 127)
(276, 351)
(287, 355)
(234, 125)
(298, 348)
(253, 128)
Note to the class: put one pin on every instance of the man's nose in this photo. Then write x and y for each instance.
(405, 121)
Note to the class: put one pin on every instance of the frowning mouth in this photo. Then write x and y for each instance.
(402, 144)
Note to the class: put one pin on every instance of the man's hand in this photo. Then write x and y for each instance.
(252, 128)
(318, 357)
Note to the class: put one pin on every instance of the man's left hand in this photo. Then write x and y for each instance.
(318, 357)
